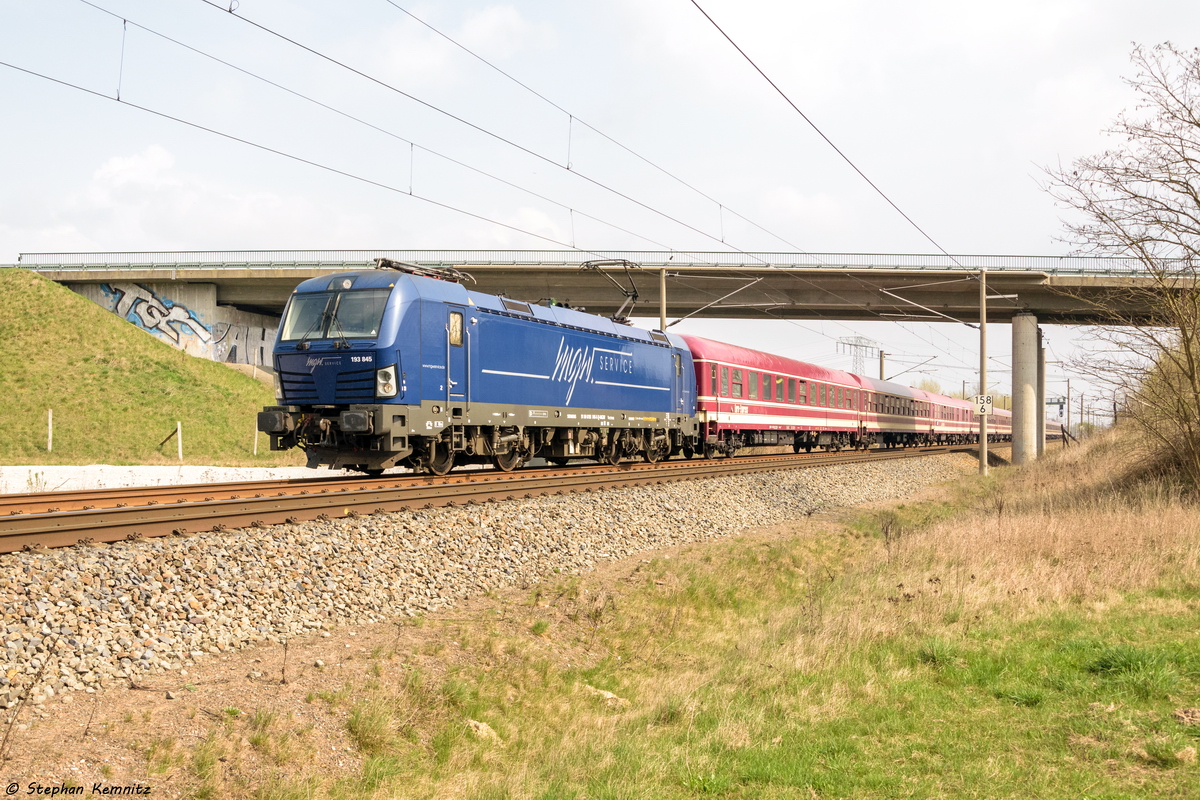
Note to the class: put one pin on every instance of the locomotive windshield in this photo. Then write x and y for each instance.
(326, 315)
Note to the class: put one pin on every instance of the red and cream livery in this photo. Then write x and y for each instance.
(747, 398)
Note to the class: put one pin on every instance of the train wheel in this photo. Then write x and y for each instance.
(710, 451)
(507, 462)
(612, 453)
(654, 454)
(440, 461)
(689, 452)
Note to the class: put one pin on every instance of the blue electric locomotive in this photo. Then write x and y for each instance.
(403, 365)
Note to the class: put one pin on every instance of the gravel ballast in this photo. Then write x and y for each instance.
(88, 617)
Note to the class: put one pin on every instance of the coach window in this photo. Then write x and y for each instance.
(456, 328)
(802, 393)
(841, 397)
(737, 383)
(713, 386)
(752, 380)
(779, 388)
(767, 382)
(725, 381)
(791, 390)
(823, 396)
(850, 398)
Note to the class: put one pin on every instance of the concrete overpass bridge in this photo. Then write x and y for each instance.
(226, 305)
(1057, 289)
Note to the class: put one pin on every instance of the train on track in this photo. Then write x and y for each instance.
(403, 365)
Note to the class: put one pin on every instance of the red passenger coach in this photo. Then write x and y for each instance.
(746, 398)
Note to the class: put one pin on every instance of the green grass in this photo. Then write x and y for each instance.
(116, 391)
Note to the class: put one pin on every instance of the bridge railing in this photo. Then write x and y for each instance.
(282, 259)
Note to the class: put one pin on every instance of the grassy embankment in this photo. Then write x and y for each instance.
(1030, 635)
(116, 391)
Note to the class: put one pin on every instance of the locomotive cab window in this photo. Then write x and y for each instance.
(456, 328)
(354, 314)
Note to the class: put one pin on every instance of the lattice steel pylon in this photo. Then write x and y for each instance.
(859, 347)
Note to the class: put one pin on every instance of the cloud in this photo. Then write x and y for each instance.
(145, 201)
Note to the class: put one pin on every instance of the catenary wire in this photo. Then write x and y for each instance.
(509, 142)
(293, 157)
(829, 141)
(574, 118)
(369, 124)
(429, 200)
(468, 123)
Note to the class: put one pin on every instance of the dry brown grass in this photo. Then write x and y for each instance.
(1083, 528)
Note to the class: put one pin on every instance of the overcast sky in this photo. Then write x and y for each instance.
(951, 108)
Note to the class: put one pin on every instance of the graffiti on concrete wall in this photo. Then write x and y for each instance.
(157, 315)
(243, 344)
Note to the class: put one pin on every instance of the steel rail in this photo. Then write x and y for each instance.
(327, 499)
(119, 497)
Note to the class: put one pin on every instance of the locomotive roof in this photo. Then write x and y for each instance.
(416, 286)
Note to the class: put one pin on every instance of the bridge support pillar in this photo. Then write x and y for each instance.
(1041, 396)
(1025, 388)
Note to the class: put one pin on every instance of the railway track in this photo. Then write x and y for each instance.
(60, 519)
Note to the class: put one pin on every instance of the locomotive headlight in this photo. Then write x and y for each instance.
(278, 389)
(385, 382)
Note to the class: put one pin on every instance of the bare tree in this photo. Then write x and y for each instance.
(1141, 199)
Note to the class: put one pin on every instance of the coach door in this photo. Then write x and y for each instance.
(456, 360)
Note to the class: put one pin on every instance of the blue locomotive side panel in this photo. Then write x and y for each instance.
(523, 362)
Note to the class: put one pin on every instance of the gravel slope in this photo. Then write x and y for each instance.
(98, 615)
